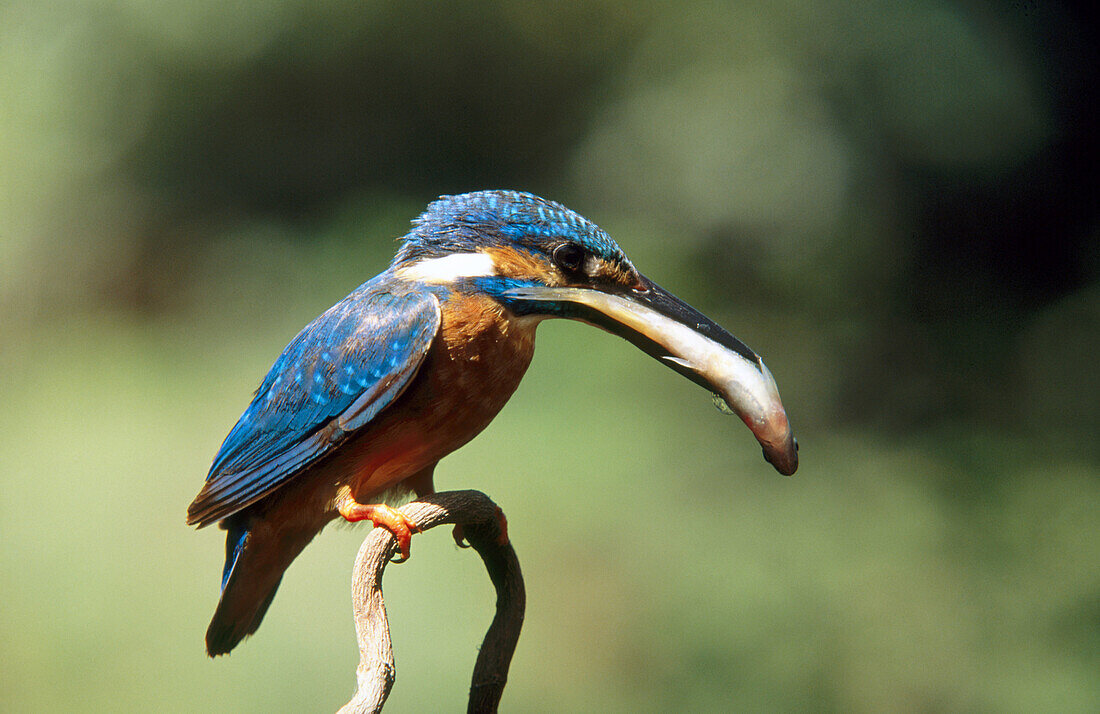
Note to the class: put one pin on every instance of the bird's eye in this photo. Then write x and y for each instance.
(569, 257)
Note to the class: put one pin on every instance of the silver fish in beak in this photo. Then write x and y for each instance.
(667, 328)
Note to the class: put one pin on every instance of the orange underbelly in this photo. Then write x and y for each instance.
(473, 368)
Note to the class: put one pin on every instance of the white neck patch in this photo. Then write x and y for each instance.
(449, 268)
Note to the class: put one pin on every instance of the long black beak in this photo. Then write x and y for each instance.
(670, 330)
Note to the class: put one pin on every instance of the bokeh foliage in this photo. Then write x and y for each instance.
(894, 202)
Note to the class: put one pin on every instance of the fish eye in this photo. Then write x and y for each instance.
(569, 257)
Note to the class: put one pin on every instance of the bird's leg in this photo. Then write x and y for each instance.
(502, 539)
(382, 516)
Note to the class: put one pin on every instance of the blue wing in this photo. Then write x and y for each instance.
(332, 379)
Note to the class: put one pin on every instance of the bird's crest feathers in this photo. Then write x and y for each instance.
(485, 218)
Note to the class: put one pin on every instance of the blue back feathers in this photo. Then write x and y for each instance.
(485, 218)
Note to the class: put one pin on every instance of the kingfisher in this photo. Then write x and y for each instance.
(363, 403)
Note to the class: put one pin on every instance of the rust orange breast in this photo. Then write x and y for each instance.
(475, 364)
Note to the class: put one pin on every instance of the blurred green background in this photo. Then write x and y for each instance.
(894, 202)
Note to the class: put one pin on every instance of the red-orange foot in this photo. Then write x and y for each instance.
(381, 516)
(460, 538)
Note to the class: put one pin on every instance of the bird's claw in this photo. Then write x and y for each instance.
(382, 516)
(459, 534)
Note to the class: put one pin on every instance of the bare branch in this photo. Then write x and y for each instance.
(481, 521)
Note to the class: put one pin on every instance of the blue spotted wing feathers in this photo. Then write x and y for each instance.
(330, 381)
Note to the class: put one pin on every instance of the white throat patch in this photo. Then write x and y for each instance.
(449, 268)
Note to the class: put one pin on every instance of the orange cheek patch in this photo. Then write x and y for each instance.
(512, 263)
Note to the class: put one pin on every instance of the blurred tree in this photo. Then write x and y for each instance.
(407, 97)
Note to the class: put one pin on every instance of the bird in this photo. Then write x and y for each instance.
(362, 404)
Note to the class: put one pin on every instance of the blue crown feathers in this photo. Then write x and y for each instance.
(458, 223)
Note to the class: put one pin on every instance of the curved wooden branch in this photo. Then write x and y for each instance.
(481, 520)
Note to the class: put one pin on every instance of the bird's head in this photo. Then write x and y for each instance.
(539, 259)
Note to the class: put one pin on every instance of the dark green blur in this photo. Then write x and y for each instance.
(893, 202)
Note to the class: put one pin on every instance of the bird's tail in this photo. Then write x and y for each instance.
(255, 560)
